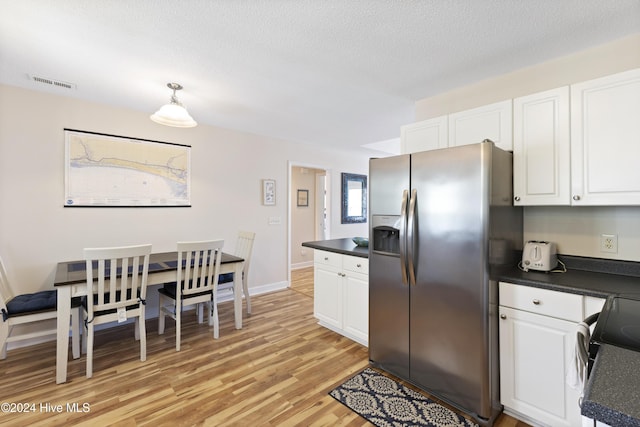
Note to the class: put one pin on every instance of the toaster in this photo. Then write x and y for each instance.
(539, 255)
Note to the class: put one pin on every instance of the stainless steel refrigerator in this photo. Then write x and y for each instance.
(440, 220)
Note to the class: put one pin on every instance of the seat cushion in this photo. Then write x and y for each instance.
(225, 278)
(106, 300)
(31, 303)
(169, 290)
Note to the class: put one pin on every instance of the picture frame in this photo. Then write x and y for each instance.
(103, 170)
(303, 198)
(354, 198)
(269, 192)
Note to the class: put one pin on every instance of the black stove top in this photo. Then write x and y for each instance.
(619, 323)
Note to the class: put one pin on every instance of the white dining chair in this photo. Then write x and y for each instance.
(196, 283)
(243, 249)
(116, 292)
(33, 309)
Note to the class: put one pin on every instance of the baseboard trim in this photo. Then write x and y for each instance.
(301, 265)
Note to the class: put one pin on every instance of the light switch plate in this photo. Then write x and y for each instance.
(274, 220)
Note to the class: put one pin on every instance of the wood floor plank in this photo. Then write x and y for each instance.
(276, 371)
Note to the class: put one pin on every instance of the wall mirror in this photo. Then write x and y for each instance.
(354, 198)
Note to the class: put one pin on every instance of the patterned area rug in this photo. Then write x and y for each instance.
(386, 403)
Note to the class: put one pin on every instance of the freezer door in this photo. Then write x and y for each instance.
(388, 178)
(388, 295)
(449, 338)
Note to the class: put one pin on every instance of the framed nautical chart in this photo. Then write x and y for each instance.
(110, 170)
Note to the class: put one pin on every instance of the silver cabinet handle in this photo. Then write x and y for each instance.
(326, 258)
(358, 265)
(576, 197)
(536, 301)
(517, 198)
(503, 316)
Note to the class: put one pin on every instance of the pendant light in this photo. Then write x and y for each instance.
(174, 114)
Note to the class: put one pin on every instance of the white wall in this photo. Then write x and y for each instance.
(577, 230)
(36, 231)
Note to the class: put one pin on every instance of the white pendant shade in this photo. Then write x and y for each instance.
(173, 113)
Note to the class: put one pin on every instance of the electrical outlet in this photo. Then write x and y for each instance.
(609, 243)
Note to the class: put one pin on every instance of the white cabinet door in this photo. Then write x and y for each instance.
(541, 149)
(327, 295)
(535, 353)
(605, 140)
(493, 121)
(356, 306)
(426, 135)
(341, 294)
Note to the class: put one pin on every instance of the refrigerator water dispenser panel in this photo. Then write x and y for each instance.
(386, 234)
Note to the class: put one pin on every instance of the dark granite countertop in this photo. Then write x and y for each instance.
(612, 395)
(585, 276)
(342, 246)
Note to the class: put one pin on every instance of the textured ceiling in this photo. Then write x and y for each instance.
(331, 72)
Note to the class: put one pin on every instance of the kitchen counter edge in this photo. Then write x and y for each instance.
(343, 246)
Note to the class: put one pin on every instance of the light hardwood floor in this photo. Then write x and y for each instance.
(276, 371)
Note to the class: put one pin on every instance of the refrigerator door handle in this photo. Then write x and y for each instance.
(403, 236)
(411, 237)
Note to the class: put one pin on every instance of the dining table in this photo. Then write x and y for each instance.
(71, 281)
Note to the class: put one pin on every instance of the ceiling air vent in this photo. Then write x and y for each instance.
(53, 82)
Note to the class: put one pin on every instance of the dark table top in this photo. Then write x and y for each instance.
(74, 272)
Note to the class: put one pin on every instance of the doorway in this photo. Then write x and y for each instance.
(309, 212)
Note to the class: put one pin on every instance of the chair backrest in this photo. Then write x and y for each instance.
(117, 276)
(5, 289)
(198, 266)
(244, 247)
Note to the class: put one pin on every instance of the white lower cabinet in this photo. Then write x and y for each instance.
(341, 294)
(537, 339)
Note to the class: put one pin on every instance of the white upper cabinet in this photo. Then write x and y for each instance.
(426, 135)
(605, 140)
(541, 148)
(493, 121)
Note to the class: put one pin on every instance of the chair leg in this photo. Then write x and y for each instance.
(214, 316)
(76, 321)
(161, 314)
(136, 332)
(4, 335)
(142, 333)
(178, 328)
(245, 291)
(200, 312)
(85, 332)
(89, 349)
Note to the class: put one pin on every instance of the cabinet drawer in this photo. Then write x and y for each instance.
(560, 305)
(327, 258)
(354, 263)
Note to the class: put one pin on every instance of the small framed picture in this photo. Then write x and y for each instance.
(303, 197)
(268, 192)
